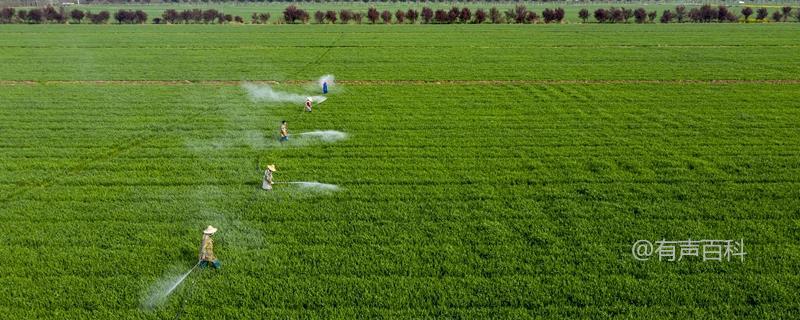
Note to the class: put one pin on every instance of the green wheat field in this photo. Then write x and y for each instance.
(489, 171)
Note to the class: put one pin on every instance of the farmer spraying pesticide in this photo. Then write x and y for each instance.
(207, 249)
(284, 132)
(266, 184)
(308, 104)
(326, 82)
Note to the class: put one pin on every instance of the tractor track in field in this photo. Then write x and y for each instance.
(408, 82)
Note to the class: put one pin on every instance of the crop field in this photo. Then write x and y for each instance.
(499, 171)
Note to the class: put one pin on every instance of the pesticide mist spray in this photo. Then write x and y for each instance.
(325, 135)
(329, 79)
(162, 289)
(313, 185)
(265, 93)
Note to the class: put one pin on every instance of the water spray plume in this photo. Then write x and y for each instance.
(328, 78)
(312, 185)
(325, 135)
(163, 289)
(265, 93)
(319, 85)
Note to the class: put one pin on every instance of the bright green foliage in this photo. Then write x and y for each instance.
(286, 52)
(471, 200)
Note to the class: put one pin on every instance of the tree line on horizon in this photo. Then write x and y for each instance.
(33, 3)
(293, 15)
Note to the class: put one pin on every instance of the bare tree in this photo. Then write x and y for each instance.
(412, 15)
(520, 14)
(480, 16)
(465, 16)
(747, 12)
(386, 16)
(452, 15)
(345, 16)
(319, 17)
(787, 12)
(292, 14)
(170, 16)
(7, 15)
(680, 13)
(722, 13)
(651, 16)
(210, 15)
(263, 17)
(373, 15)
(601, 15)
(583, 14)
(761, 14)
(400, 16)
(666, 16)
(427, 15)
(777, 16)
(77, 15)
(495, 16)
(640, 15)
(626, 14)
(330, 16)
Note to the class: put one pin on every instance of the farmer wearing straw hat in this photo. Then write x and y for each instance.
(308, 104)
(284, 131)
(207, 249)
(267, 183)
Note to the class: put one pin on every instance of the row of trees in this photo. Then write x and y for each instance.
(49, 14)
(518, 14)
(703, 14)
(293, 14)
(427, 15)
(201, 16)
(129, 16)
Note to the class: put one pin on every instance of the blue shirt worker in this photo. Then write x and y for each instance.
(325, 87)
(207, 256)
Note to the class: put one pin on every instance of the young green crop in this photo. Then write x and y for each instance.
(430, 53)
(469, 199)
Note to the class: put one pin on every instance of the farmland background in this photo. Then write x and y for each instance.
(491, 171)
(275, 9)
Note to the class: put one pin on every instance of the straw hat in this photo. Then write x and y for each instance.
(210, 230)
(308, 99)
(271, 168)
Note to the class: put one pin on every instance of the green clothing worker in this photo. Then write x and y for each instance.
(207, 249)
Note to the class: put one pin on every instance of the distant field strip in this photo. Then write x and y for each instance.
(425, 53)
(431, 46)
(373, 82)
